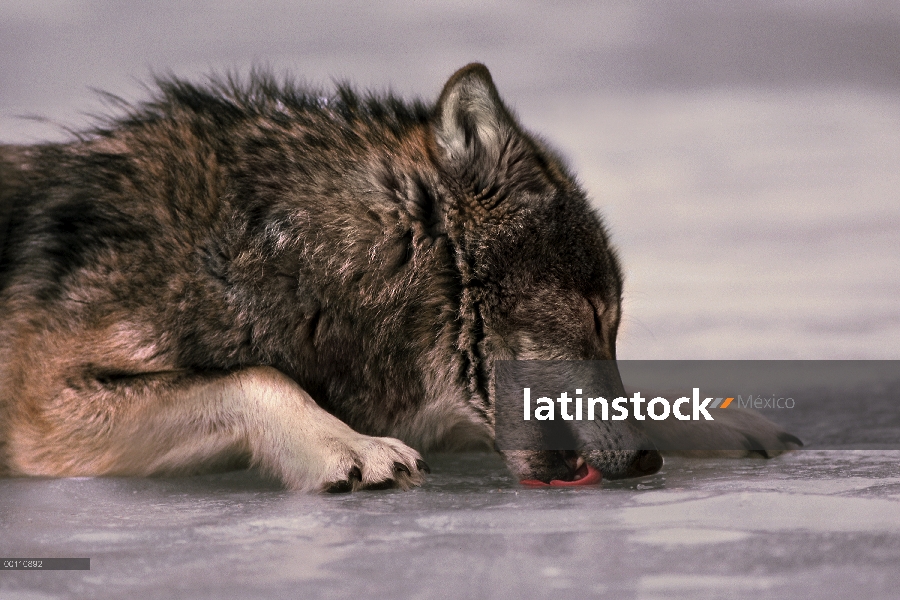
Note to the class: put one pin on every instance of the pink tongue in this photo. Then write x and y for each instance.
(593, 476)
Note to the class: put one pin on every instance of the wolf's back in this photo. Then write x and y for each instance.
(11, 164)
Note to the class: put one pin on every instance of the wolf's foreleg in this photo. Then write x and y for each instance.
(162, 424)
(734, 433)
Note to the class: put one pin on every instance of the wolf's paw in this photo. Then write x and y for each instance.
(370, 463)
(735, 433)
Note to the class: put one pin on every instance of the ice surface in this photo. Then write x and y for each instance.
(822, 524)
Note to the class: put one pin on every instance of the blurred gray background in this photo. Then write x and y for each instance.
(745, 154)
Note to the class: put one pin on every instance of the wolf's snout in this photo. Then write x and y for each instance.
(621, 464)
(647, 462)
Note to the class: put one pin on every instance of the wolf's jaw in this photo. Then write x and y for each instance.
(584, 474)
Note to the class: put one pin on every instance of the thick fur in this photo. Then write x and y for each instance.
(251, 273)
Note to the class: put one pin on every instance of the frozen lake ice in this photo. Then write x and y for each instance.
(821, 524)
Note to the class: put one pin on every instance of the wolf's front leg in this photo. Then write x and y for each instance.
(291, 437)
(735, 433)
(169, 424)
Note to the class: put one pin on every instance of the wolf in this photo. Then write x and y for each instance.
(251, 273)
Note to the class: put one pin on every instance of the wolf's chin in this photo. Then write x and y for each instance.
(584, 474)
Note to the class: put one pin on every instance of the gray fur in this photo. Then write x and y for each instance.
(219, 242)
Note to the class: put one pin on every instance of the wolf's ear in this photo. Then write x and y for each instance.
(472, 126)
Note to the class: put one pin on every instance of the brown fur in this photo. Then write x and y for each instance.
(253, 273)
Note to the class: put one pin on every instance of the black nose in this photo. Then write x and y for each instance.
(646, 462)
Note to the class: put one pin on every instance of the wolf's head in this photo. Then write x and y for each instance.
(540, 280)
